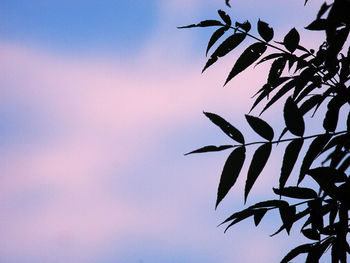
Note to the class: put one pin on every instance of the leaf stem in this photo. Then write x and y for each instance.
(289, 139)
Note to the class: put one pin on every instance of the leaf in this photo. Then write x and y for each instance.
(325, 180)
(210, 148)
(331, 119)
(246, 26)
(271, 56)
(291, 40)
(225, 17)
(311, 234)
(216, 35)
(264, 94)
(243, 215)
(276, 71)
(296, 192)
(315, 148)
(323, 10)
(259, 160)
(282, 91)
(230, 173)
(260, 127)
(317, 212)
(289, 159)
(287, 214)
(310, 103)
(248, 57)
(265, 31)
(228, 3)
(205, 23)
(226, 127)
(305, 248)
(269, 204)
(258, 215)
(318, 24)
(293, 118)
(224, 48)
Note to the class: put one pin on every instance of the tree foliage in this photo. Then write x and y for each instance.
(303, 80)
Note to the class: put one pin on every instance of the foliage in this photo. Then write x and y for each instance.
(303, 80)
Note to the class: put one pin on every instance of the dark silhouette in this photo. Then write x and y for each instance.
(302, 80)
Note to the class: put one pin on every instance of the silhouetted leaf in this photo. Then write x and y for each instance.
(243, 215)
(258, 215)
(323, 9)
(225, 17)
(318, 24)
(305, 248)
(228, 3)
(246, 26)
(311, 234)
(224, 48)
(205, 23)
(310, 103)
(210, 148)
(326, 178)
(260, 127)
(287, 214)
(249, 56)
(314, 149)
(296, 192)
(317, 211)
(226, 127)
(269, 204)
(297, 217)
(331, 119)
(291, 40)
(230, 173)
(264, 94)
(271, 56)
(282, 91)
(265, 31)
(217, 34)
(289, 159)
(276, 71)
(259, 160)
(293, 118)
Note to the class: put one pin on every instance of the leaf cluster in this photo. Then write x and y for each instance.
(303, 80)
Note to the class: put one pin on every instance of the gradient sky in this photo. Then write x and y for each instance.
(99, 102)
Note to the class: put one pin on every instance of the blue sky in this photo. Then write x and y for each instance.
(99, 102)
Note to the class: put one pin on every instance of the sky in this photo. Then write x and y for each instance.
(99, 102)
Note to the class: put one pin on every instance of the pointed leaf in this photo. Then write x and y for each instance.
(282, 91)
(246, 26)
(276, 71)
(210, 148)
(296, 192)
(289, 159)
(248, 57)
(258, 215)
(259, 160)
(269, 57)
(314, 149)
(291, 40)
(318, 24)
(224, 48)
(230, 173)
(228, 3)
(260, 127)
(265, 31)
(205, 23)
(287, 214)
(311, 234)
(216, 35)
(226, 127)
(225, 17)
(293, 118)
(305, 248)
